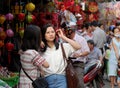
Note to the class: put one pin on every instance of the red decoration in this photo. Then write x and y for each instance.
(93, 7)
(21, 16)
(9, 47)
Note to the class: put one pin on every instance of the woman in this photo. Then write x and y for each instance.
(114, 56)
(55, 74)
(31, 60)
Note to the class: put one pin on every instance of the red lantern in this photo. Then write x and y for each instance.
(21, 16)
(9, 46)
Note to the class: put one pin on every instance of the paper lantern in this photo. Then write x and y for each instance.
(9, 16)
(30, 7)
(9, 33)
(2, 19)
(21, 16)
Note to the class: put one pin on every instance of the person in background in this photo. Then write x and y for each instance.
(55, 74)
(79, 55)
(118, 73)
(89, 32)
(95, 52)
(31, 60)
(99, 36)
(114, 56)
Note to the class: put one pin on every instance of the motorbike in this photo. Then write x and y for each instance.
(92, 75)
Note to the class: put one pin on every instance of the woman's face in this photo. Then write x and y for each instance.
(50, 34)
(116, 32)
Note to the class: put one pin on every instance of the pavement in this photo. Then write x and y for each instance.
(107, 82)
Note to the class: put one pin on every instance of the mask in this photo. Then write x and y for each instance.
(117, 35)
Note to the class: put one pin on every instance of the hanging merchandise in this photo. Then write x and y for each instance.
(30, 7)
(2, 19)
(9, 16)
(21, 16)
(9, 32)
(9, 46)
(2, 35)
(30, 18)
(93, 7)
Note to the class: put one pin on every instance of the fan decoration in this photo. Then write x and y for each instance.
(93, 7)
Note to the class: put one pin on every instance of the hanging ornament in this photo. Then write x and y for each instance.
(30, 7)
(9, 16)
(2, 35)
(2, 19)
(9, 46)
(93, 7)
(1, 43)
(30, 18)
(21, 33)
(9, 32)
(21, 16)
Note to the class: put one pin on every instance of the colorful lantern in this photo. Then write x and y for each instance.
(9, 33)
(21, 16)
(2, 35)
(2, 19)
(30, 18)
(9, 16)
(30, 7)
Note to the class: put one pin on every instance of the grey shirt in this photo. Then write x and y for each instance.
(99, 37)
(94, 54)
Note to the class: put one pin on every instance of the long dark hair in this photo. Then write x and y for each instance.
(44, 29)
(32, 38)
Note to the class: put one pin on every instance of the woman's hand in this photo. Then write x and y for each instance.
(60, 33)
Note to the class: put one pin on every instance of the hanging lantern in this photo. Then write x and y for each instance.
(30, 18)
(2, 19)
(21, 16)
(30, 7)
(1, 43)
(21, 33)
(2, 35)
(9, 46)
(9, 33)
(9, 16)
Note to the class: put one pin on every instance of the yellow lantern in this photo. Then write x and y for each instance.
(30, 7)
(2, 19)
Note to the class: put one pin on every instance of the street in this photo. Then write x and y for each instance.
(107, 84)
